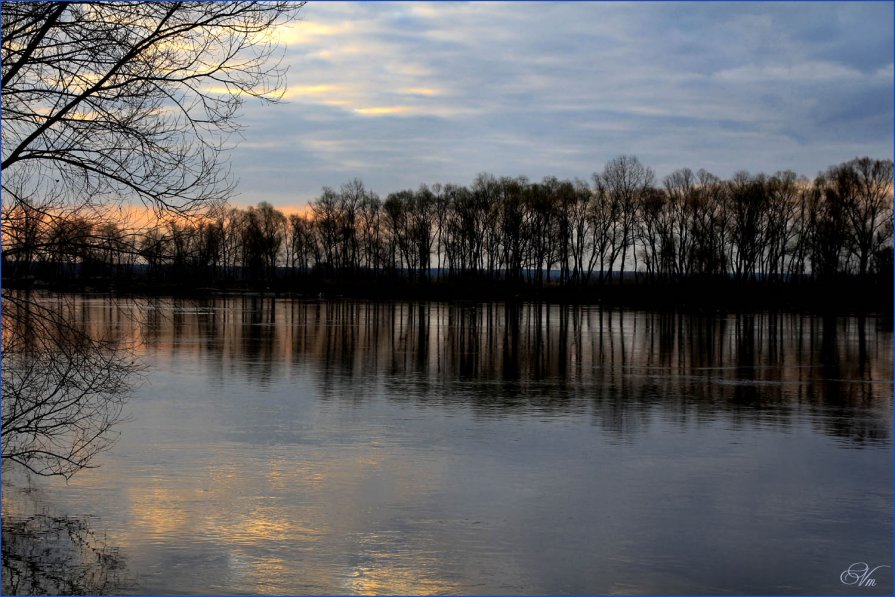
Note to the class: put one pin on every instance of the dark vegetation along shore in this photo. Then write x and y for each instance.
(693, 240)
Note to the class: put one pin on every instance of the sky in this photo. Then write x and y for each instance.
(400, 94)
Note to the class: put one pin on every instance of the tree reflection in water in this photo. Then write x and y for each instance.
(64, 385)
(622, 368)
(58, 555)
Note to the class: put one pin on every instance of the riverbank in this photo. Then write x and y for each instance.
(847, 294)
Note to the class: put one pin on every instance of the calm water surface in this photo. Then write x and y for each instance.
(279, 446)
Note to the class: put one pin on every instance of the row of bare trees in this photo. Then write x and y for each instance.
(751, 227)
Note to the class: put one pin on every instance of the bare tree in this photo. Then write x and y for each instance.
(23, 232)
(626, 179)
(103, 104)
(865, 188)
(827, 228)
(579, 229)
(513, 224)
(398, 210)
(263, 237)
(711, 227)
(455, 226)
(655, 232)
(131, 100)
(748, 202)
(782, 205)
(605, 227)
(327, 219)
(370, 224)
(423, 229)
(302, 244)
(681, 190)
(352, 196)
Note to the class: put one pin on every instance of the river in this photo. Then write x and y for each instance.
(338, 447)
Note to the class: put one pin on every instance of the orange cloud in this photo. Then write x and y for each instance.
(384, 110)
(427, 91)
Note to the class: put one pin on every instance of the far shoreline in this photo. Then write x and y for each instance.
(842, 296)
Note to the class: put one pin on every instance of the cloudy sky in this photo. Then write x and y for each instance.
(398, 94)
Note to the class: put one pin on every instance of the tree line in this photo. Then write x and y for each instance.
(513, 231)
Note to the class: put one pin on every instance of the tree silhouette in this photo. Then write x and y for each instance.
(106, 104)
(503, 234)
(105, 101)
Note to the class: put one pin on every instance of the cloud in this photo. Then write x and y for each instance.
(404, 93)
(806, 71)
(297, 91)
(384, 110)
(427, 91)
